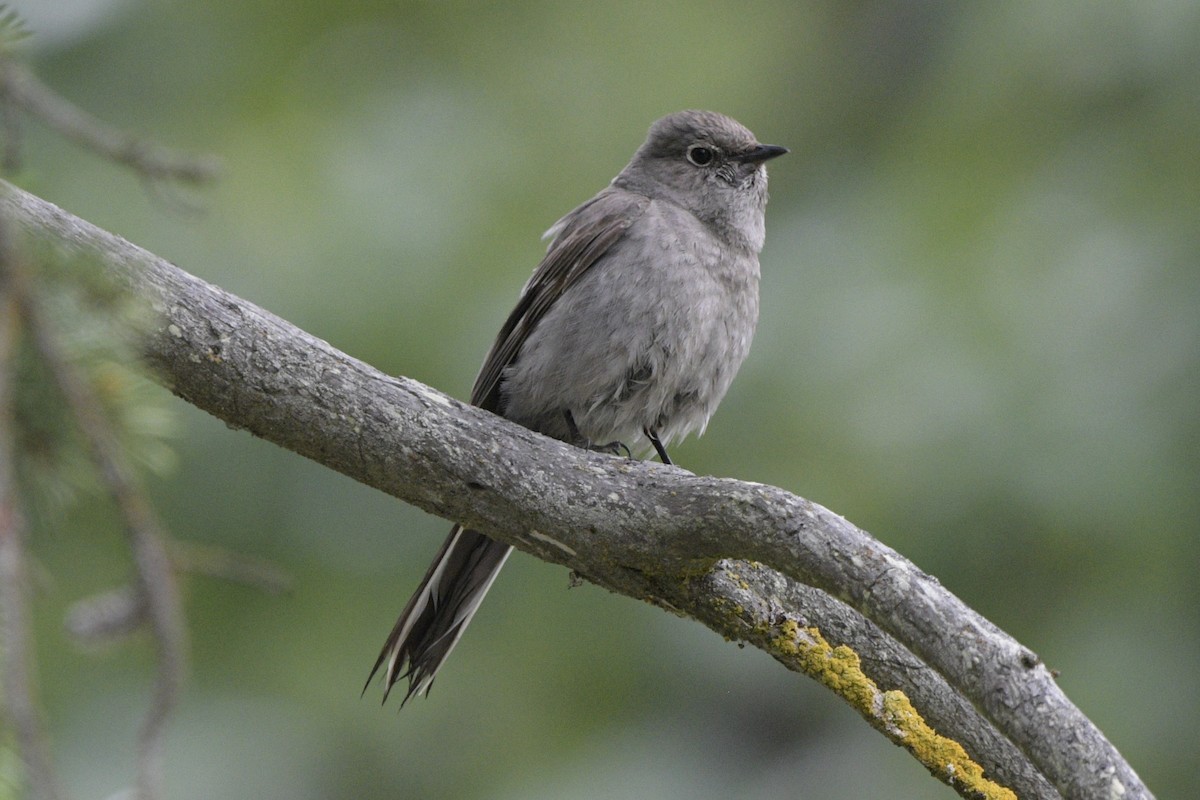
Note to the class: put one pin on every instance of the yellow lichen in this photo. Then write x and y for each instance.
(891, 712)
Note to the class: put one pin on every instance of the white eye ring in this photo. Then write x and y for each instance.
(701, 155)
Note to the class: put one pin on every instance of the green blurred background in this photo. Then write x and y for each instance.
(980, 341)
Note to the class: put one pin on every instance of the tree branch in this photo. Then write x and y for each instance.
(22, 88)
(638, 528)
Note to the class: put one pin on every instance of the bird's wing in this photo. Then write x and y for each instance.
(580, 240)
(464, 569)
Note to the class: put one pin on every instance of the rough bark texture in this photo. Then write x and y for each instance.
(753, 562)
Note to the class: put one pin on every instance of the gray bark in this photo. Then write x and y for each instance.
(742, 558)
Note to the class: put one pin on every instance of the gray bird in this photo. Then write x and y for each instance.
(628, 333)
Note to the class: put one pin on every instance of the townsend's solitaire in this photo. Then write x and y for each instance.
(626, 336)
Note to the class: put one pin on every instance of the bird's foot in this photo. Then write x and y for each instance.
(579, 440)
(612, 448)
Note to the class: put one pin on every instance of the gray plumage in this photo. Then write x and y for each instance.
(628, 334)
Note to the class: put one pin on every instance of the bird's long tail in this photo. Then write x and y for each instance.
(439, 612)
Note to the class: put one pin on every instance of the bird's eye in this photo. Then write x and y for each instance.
(700, 155)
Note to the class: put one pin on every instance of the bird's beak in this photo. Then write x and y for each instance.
(761, 153)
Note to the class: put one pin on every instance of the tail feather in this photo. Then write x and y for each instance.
(438, 613)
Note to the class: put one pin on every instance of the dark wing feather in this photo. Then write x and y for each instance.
(585, 235)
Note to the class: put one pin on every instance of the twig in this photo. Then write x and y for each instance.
(108, 615)
(23, 89)
(15, 637)
(226, 565)
(118, 612)
(155, 579)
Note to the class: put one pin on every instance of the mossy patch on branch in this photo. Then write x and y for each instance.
(840, 669)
